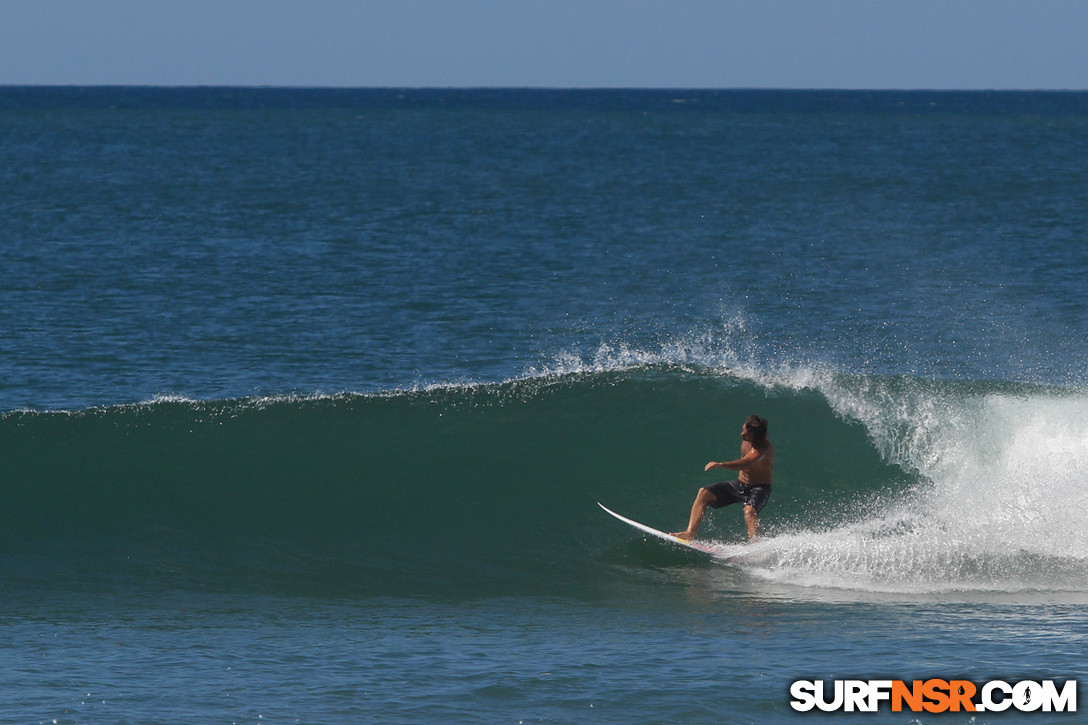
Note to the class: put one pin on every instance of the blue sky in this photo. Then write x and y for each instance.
(993, 44)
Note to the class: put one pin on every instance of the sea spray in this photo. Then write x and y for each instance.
(1000, 502)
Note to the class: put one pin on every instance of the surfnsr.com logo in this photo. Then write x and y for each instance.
(934, 696)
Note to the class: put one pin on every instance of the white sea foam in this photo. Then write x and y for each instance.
(1002, 506)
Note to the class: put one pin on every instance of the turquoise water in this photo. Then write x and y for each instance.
(308, 398)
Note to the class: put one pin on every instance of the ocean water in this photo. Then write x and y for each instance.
(307, 398)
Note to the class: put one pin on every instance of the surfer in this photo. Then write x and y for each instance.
(752, 487)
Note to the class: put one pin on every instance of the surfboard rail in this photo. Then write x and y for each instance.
(693, 545)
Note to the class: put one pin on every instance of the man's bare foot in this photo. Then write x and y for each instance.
(683, 535)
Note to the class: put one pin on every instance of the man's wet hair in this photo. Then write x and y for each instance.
(756, 429)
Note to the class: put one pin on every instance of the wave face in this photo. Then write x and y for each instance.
(490, 489)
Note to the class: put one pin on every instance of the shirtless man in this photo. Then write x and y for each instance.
(752, 488)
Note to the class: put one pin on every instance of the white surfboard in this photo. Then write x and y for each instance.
(693, 545)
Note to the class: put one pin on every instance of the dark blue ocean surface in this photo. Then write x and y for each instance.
(215, 243)
(307, 398)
